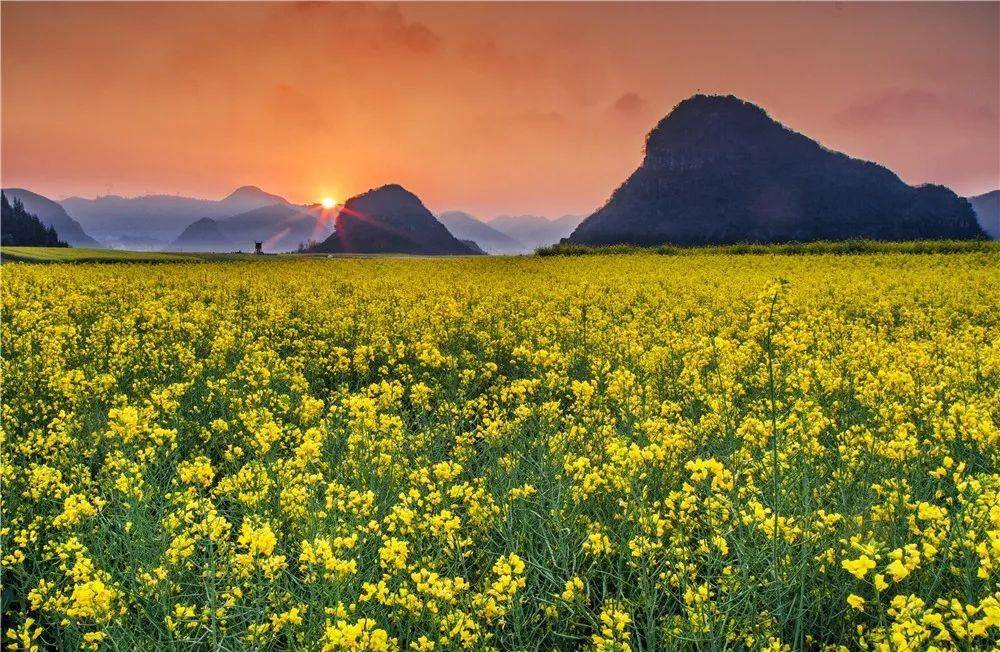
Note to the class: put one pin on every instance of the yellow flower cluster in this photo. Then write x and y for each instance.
(607, 453)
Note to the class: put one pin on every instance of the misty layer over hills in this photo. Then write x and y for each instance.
(534, 231)
(987, 207)
(719, 170)
(158, 218)
(249, 215)
(466, 227)
(281, 228)
(510, 234)
(165, 222)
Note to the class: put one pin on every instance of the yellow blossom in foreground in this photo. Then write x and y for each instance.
(361, 635)
(688, 450)
(858, 567)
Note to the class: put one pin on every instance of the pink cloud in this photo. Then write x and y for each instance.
(630, 104)
(895, 106)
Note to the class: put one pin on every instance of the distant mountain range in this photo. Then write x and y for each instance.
(719, 170)
(248, 215)
(158, 218)
(466, 227)
(390, 219)
(534, 231)
(52, 214)
(510, 234)
(987, 207)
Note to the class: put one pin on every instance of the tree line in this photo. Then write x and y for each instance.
(19, 228)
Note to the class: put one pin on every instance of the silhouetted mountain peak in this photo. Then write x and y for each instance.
(702, 105)
(707, 128)
(719, 169)
(391, 201)
(392, 188)
(389, 219)
(710, 115)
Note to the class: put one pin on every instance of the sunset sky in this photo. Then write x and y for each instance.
(488, 108)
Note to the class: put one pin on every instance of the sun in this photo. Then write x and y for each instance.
(328, 202)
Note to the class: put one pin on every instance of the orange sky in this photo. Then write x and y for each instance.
(490, 108)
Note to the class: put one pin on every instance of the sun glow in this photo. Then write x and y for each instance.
(328, 202)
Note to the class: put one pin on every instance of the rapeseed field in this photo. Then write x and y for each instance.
(631, 452)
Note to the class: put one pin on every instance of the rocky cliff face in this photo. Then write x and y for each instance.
(719, 170)
(389, 219)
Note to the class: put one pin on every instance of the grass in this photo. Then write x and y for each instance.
(844, 247)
